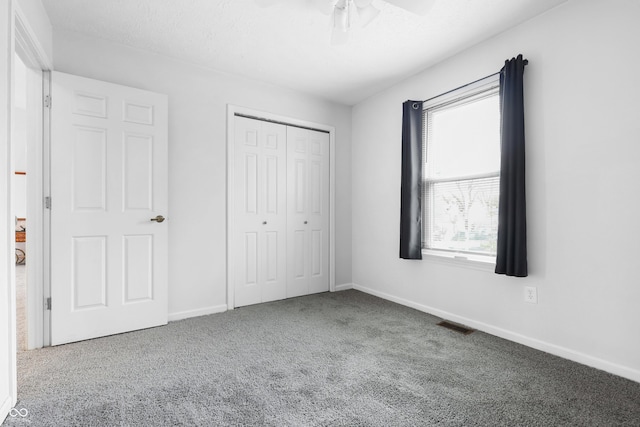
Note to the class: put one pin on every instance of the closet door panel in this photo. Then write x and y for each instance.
(247, 238)
(273, 138)
(260, 206)
(297, 195)
(308, 219)
(318, 222)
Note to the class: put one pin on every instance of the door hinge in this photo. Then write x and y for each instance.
(47, 304)
(47, 202)
(47, 101)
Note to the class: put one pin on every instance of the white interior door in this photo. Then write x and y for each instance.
(260, 208)
(108, 180)
(308, 211)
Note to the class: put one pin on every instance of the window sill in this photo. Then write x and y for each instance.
(475, 262)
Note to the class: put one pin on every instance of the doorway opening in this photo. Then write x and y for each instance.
(28, 123)
(19, 195)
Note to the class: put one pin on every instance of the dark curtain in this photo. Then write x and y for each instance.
(411, 191)
(511, 256)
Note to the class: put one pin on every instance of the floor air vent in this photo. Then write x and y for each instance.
(455, 327)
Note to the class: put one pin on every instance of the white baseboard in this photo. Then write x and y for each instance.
(343, 287)
(566, 353)
(179, 315)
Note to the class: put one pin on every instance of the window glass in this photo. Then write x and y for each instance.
(461, 173)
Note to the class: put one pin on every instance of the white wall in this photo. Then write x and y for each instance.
(198, 100)
(583, 173)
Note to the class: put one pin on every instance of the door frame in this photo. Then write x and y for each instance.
(232, 111)
(20, 38)
(33, 55)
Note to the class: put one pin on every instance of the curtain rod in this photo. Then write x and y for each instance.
(525, 62)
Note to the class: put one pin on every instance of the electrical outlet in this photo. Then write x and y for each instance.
(531, 294)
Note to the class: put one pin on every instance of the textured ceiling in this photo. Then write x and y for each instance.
(289, 44)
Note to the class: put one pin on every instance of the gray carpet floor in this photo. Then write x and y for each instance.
(21, 306)
(340, 359)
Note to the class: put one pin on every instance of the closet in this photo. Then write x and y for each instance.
(281, 211)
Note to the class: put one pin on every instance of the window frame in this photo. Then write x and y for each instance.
(472, 92)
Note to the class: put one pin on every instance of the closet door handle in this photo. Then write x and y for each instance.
(305, 222)
(264, 222)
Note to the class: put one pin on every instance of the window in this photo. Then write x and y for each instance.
(461, 170)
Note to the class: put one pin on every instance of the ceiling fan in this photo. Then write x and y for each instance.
(346, 14)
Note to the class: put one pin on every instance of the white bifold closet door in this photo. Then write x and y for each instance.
(308, 212)
(281, 205)
(260, 211)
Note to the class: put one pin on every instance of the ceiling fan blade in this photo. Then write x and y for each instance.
(419, 7)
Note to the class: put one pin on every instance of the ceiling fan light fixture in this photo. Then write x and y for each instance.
(341, 17)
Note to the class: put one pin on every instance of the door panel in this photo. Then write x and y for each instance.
(308, 212)
(138, 268)
(108, 178)
(260, 206)
(300, 257)
(300, 182)
(138, 172)
(250, 282)
(88, 169)
(316, 253)
(271, 185)
(318, 215)
(251, 183)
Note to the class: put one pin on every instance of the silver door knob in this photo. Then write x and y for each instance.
(264, 222)
(159, 218)
(305, 222)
